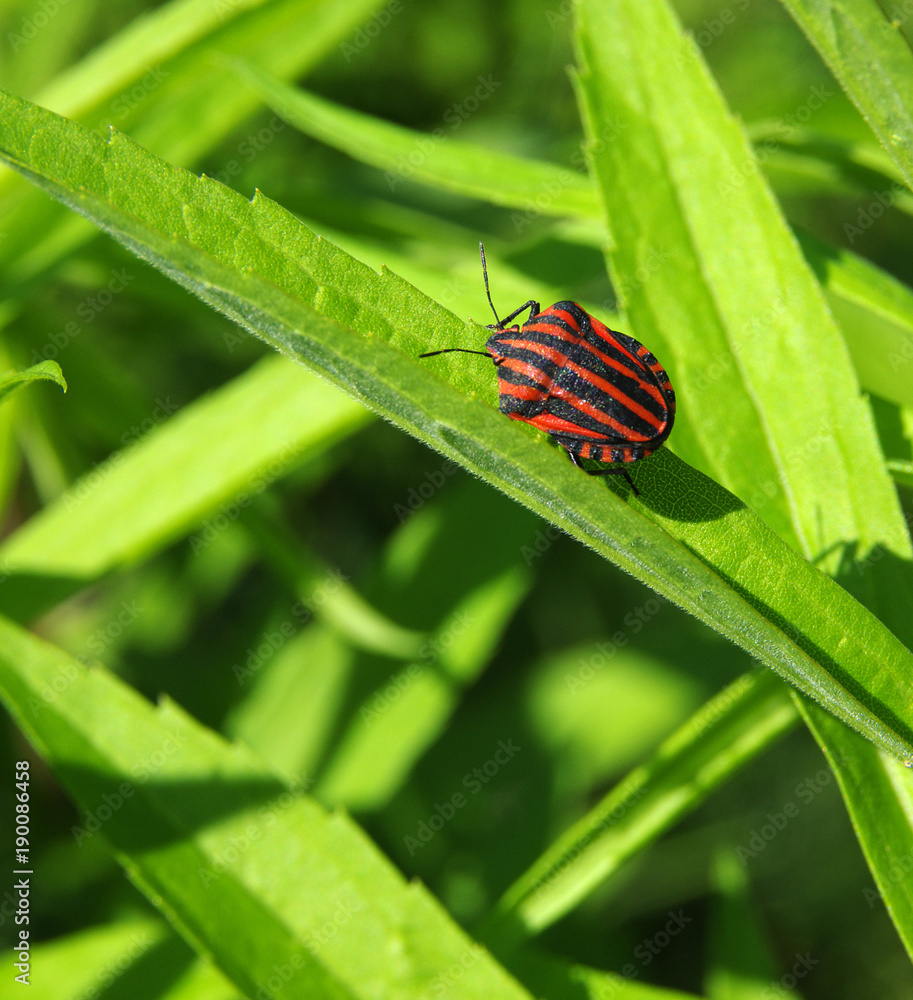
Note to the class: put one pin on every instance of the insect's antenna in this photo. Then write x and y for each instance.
(450, 350)
(485, 276)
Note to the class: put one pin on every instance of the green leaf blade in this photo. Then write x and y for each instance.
(733, 286)
(792, 438)
(731, 729)
(686, 537)
(437, 158)
(44, 370)
(878, 793)
(119, 513)
(871, 57)
(185, 800)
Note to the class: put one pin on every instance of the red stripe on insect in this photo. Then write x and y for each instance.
(576, 339)
(521, 391)
(563, 361)
(550, 353)
(556, 425)
(559, 392)
(527, 370)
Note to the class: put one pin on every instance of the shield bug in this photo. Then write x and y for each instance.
(599, 393)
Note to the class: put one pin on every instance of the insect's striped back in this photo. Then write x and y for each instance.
(602, 394)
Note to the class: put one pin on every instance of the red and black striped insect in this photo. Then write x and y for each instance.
(599, 393)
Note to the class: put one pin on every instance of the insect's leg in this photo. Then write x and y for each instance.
(605, 472)
(533, 307)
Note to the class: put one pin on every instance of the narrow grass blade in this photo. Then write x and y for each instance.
(872, 60)
(465, 587)
(436, 158)
(251, 872)
(739, 966)
(107, 73)
(878, 793)
(289, 716)
(224, 450)
(819, 163)
(733, 297)
(188, 84)
(43, 371)
(730, 730)
(362, 722)
(875, 312)
(685, 536)
(327, 592)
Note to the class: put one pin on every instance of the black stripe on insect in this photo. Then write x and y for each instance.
(599, 393)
